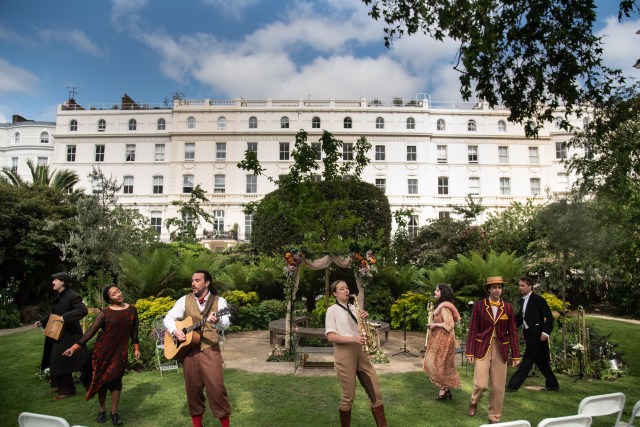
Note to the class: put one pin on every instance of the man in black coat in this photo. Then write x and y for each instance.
(69, 305)
(537, 323)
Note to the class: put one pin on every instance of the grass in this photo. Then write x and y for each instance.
(259, 400)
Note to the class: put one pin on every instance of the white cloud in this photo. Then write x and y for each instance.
(621, 45)
(75, 38)
(124, 14)
(16, 79)
(11, 37)
(233, 9)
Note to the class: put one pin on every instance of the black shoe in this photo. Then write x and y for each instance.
(556, 388)
(102, 417)
(510, 389)
(115, 419)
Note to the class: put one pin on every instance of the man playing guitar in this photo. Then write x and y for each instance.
(202, 365)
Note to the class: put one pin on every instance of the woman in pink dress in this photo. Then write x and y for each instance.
(438, 359)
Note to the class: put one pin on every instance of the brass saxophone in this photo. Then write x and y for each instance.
(370, 344)
(429, 321)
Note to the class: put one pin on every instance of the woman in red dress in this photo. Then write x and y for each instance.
(438, 359)
(117, 323)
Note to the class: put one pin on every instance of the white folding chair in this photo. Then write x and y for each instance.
(603, 404)
(568, 421)
(158, 335)
(634, 414)
(29, 419)
(519, 423)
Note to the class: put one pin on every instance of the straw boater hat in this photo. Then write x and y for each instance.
(495, 280)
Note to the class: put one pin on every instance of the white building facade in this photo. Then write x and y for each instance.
(23, 140)
(423, 157)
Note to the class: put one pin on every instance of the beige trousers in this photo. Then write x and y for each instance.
(350, 361)
(494, 368)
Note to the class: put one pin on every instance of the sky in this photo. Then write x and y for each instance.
(228, 49)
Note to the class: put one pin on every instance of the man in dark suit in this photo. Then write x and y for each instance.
(492, 334)
(537, 323)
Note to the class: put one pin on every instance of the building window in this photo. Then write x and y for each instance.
(505, 186)
(16, 138)
(284, 122)
(472, 153)
(444, 215)
(96, 185)
(347, 151)
(563, 179)
(561, 150)
(253, 122)
(44, 138)
(442, 125)
(474, 185)
(585, 122)
(219, 184)
(252, 184)
(557, 123)
(187, 183)
(442, 154)
(221, 150)
(130, 153)
(471, 125)
(99, 157)
(158, 184)
(71, 153)
(127, 185)
(248, 222)
(411, 123)
(502, 126)
(284, 151)
(534, 155)
(218, 221)
(156, 221)
(412, 153)
(190, 151)
(42, 161)
(412, 226)
(252, 147)
(503, 154)
(443, 185)
(73, 125)
(159, 154)
(191, 123)
(102, 125)
(161, 124)
(380, 152)
(535, 186)
(14, 165)
(315, 122)
(348, 123)
(412, 186)
(381, 183)
(379, 123)
(318, 147)
(133, 125)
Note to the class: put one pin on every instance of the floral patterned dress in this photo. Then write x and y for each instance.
(438, 360)
(110, 351)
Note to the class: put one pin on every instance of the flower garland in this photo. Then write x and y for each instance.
(364, 265)
(293, 260)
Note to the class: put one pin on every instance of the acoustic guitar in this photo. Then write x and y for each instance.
(175, 349)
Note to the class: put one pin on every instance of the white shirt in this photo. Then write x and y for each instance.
(177, 312)
(524, 309)
(338, 321)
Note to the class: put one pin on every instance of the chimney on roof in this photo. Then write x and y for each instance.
(71, 104)
(128, 103)
(17, 119)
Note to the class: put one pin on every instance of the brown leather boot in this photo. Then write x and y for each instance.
(345, 418)
(378, 415)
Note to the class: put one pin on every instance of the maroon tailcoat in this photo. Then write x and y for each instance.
(483, 325)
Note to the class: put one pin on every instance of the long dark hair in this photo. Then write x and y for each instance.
(446, 293)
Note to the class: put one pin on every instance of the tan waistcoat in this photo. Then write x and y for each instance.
(209, 333)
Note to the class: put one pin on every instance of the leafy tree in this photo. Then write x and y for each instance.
(148, 274)
(190, 214)
(33, 221)
(62, 180)
(103, 230)
(512, 230)
(532, 56)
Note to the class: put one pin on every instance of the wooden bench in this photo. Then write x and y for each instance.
(278, 327)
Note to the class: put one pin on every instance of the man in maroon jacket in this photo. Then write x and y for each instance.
(492, 333)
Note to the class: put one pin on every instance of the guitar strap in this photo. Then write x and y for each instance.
(207, 307)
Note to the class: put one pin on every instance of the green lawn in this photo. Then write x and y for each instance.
(286, 400)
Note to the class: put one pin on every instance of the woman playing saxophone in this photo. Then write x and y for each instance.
(350, 360)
